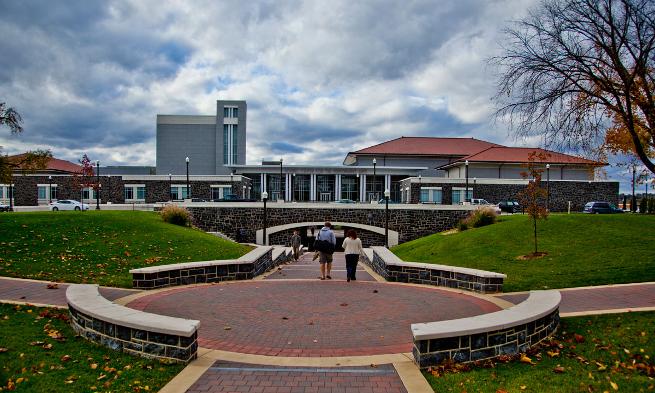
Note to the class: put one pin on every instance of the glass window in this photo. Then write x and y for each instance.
(349, 187)
(53, 192)
(226, 141)
(129, 193)
(234, 143)
(457, 197)
(235, 112)
(42, 191)
(141, 193)
(436, 196)
(425, 196)
(226, 111)
(2, 192)
(175, 193)
(216, 193)
(184, 193)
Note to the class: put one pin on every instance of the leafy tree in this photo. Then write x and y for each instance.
(85, 178)
(533, 196)
(27, 162)
(651, 205)
(582, 73)
(643, 205)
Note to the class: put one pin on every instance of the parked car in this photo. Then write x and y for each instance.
(484, 203)
(601, 208)
(509, 206)
(344, 201)
(3, 207)
(68, 204)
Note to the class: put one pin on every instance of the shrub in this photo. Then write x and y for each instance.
(643, 205)
(176, 215)
(651, 205)
(462, 226)
(481, 217)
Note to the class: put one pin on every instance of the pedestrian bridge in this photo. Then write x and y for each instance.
(244, 222)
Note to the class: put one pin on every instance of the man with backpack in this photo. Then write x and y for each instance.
(325, 244)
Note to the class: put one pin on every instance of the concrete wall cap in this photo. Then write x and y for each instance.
(86, 299)
(537, 305)
(255, 254)
(188, 265)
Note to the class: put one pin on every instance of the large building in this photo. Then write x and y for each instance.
(414, 170)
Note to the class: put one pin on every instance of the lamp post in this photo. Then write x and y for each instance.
(466, 192)
(170, 187)
(243, 192)
(633, 204)
(548, 187)
(386, 218)
(281, 194)
(188, 190)
(264, 198)
(231, 184)
(375, 190)
(49, 189)
(98, 185)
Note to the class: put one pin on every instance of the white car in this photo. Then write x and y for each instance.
(68, 204)
(484, 203)
(4, 207)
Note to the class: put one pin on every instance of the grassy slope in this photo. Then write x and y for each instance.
(606, 339)
(582, 250)
(43, 370)
(99, 247)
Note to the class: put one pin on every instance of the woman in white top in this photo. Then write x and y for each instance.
(352, 247)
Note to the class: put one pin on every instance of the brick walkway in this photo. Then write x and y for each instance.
(235, 377)
(305, 268)
(37, 292)
(600, 298)
(310, 317)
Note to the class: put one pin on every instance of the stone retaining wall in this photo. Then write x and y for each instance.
(512, 332)
(247, 267)
(110, 326)
(392, 268)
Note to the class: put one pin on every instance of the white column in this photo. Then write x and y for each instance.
(337, 187)
(387, 183)
(263, 185)
(362, 188)
(312, 187)
(288, 187)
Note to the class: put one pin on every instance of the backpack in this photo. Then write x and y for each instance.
(323, 245)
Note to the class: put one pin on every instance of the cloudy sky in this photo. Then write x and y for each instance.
(321, 78)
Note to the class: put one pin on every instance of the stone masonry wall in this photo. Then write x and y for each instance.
(561, 192)
(165, 347)
(182, 275)
(284, 238)
(434, 276)
(112, 188)
(409, 223)
(487, 345)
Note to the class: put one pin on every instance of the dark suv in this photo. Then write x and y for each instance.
(509, 206)
(601, 208)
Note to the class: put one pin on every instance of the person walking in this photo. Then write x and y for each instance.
(296, 242)
(352, 247)
(326, 236)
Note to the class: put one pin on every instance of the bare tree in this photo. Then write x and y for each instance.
(27, 162)
(572, 69)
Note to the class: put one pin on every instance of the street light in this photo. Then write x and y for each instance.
(170, 187)
(49, 189)
(244, 192)
(375, 190)
(11, 192)
(386, 217)
(633, 204)
(281, 194)
(188, 190)
(264, 198)
(231, 184)
(466, 192)
(420, 185)
(98, 185)
(548, 187)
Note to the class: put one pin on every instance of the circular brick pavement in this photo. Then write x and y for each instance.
(311, 317)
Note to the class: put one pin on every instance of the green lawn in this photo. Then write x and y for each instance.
(616, 349)
(100, 247)
(582, 250)
(31, 360)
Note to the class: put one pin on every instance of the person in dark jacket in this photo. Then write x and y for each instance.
(325, 258)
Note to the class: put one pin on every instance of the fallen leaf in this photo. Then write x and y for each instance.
(374, 365)
(94, 366)
(343, 304)
(2, 350)
(65, 358)
(47, 347)
(614, 385)
(525, 359)
(559, 370)
(578, 338)
(227, 328)
(52, 286)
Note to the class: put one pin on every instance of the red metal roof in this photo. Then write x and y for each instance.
(432, 146)
(55, 165)
(522, 154)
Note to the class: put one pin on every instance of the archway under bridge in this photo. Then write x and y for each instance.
(362, 229)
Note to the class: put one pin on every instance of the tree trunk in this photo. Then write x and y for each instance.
(534, 220)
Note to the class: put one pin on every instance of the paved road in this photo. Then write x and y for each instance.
(29, 291)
